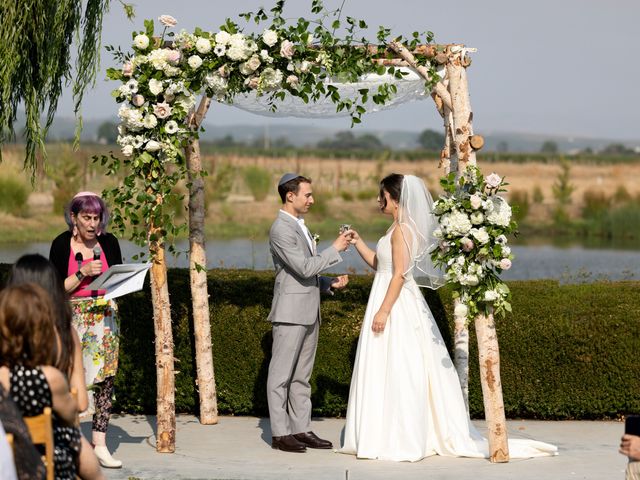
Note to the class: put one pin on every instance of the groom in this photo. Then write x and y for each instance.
(295, 315)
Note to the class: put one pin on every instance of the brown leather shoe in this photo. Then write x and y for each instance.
(287, 443)
(311, 440)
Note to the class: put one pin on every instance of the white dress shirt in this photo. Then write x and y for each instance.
(300, 220)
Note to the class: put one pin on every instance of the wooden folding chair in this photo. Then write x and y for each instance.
(41, 431)
(10, 440)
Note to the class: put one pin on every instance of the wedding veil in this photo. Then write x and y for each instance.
(415, 216)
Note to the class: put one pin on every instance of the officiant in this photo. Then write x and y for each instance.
(80, 254)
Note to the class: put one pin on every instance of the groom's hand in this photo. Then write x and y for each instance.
(342, 242)
(340, 281)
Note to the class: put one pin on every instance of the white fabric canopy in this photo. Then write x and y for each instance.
(410, 87)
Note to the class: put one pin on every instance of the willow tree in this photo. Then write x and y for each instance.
(36, 48)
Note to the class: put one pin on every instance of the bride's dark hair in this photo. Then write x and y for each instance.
(392, 184)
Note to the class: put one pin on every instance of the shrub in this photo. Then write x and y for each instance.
(369, 194)
(595, 204)
(13, 196)
(538, 197)
(218, 185)
(259, 182)
(567, 351)
(621, 195)
(346, 195)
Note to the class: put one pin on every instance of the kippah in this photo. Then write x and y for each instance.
(287, 177)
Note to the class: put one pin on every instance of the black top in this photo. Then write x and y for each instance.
(30, 391)
(61, 249)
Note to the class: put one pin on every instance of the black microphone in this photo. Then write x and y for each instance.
(79, 260)
(96, 252)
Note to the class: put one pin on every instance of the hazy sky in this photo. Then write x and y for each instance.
(566, 67)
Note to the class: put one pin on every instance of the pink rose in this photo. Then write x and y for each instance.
(292, 80)
(494, 180)
(167, 20)
(476, 201)
(252, 82)
(467, 244)
(162, 110)
(137, 100)
(223, 71)
(444, 246)
(173, 56)
(286, 49)
(505, 264)
(127, 69)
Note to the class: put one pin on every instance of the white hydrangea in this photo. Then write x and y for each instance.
(455, 223)
(476, 218)
(186, 102)
(500, 213)
(131, 117)
(127, 150)
(184, 39)
(491, 295)
(270, 37)
(223, 38)
(270, 78)
(152, 146)
(158, 58)
(171, 71)
(216, 83)
(264, 55)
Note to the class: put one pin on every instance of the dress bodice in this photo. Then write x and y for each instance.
(383, 254)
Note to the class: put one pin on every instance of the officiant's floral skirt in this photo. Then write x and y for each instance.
(96, 321)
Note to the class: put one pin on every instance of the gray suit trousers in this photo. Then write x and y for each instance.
(288, 387)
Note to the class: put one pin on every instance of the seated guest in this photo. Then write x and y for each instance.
(37, 269)
(28, 349)
(28, 463)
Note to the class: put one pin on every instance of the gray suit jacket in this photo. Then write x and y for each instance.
(296, 293)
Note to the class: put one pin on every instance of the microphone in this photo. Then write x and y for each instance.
(79, 260)
(96, 252)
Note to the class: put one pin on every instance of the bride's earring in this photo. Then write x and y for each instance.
(74, 233)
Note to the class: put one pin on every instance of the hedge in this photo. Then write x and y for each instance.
(567, 351)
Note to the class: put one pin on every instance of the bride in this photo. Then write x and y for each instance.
(405, 401)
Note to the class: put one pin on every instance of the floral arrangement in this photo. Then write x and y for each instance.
(162, 75)
(474, 224)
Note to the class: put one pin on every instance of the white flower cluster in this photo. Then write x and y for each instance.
(473, 223)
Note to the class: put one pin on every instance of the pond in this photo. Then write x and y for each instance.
(572, 264)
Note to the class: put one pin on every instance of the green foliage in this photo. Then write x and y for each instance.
(259, 182)
(13, 196)
(36, 39)
(348, 141)
(519, 200)
(549, 146)
(538, 197)
(347, 195)
(431, 140)
(595, 204)
(562, 191)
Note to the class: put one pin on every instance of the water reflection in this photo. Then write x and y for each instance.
(572, 264)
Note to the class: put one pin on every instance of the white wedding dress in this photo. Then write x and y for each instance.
(405, 401)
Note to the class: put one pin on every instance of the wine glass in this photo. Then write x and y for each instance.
(343, 228)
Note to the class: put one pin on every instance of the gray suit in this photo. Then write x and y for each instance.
(295, 314)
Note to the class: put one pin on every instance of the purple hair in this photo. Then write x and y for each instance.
(89, 204)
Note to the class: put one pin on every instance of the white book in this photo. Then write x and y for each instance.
(121, 279)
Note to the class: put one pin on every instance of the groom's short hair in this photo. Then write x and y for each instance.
(292, 185)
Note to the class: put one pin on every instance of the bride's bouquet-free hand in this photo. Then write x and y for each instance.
(474, 224)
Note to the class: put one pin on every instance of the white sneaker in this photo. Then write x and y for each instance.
(105, 458)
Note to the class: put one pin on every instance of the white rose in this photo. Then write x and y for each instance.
(494, 180)
(305, 66)
(286, 49)
(194, 61)
(141, 41)
(270, 37)
(476, 218)
(461, 310)
(499, 212)
(437, 233)
(480, 234)
(223, 38)
(150, 121)
(152, 146)
(162, 110)
(127, 150)
(506, 251)
(155, 86)
(203, 45)
(476, 201)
